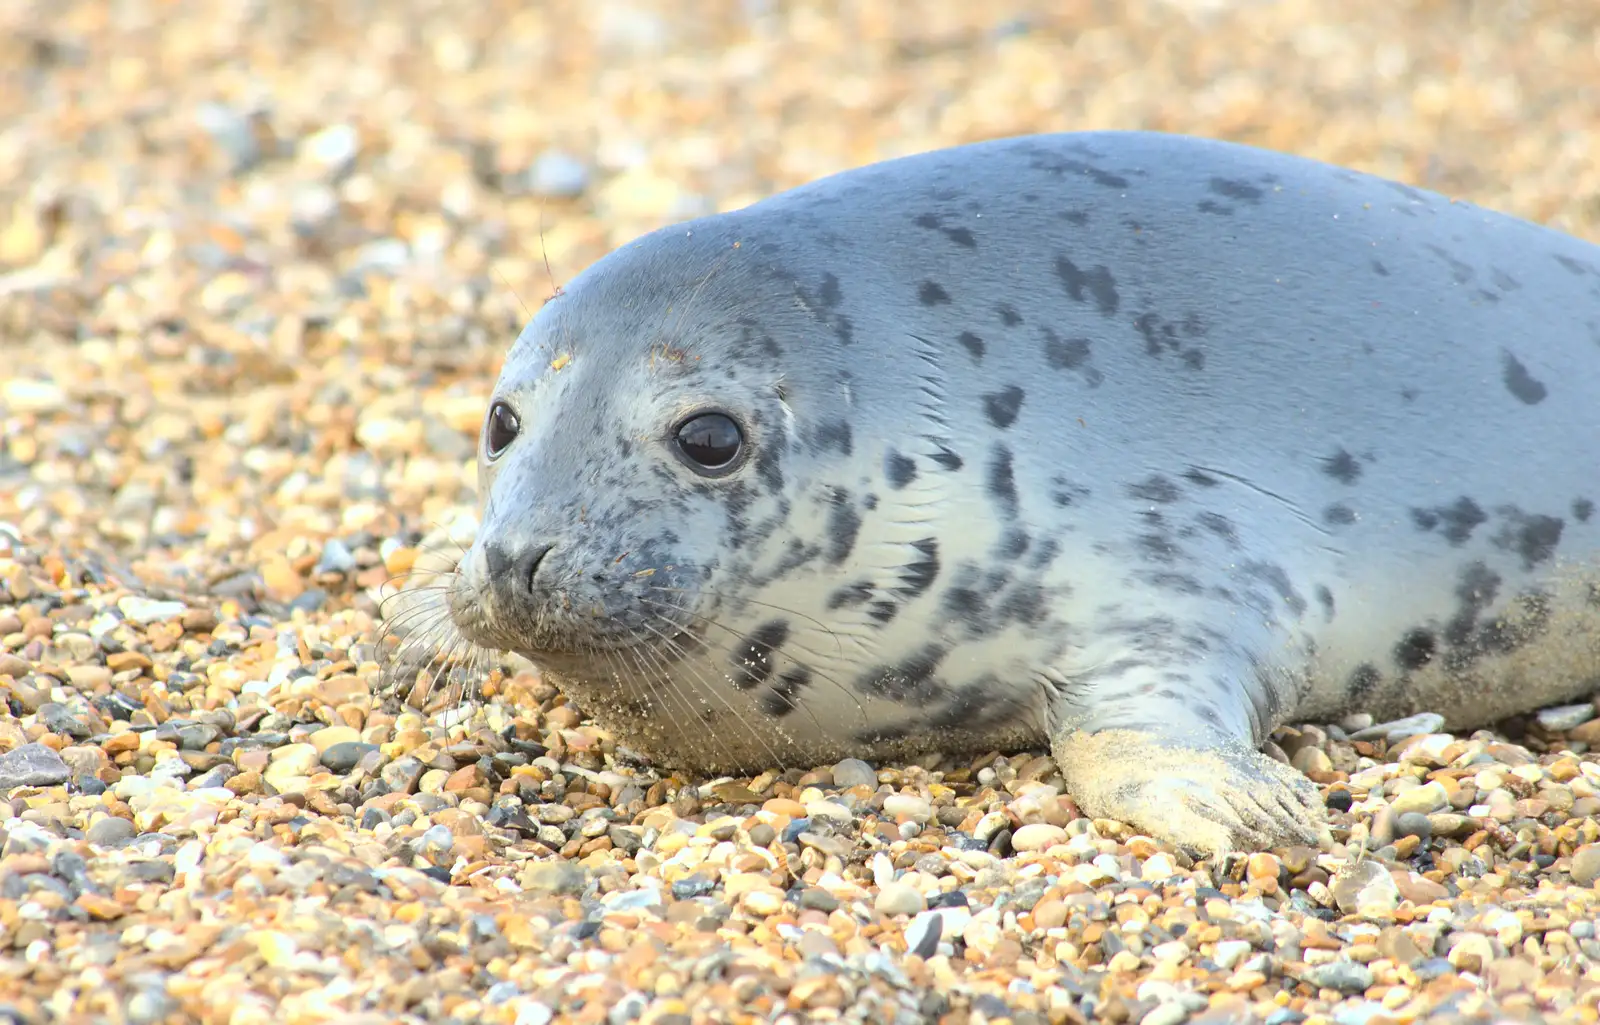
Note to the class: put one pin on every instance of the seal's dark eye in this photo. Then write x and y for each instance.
(502, 429)
(709, 442)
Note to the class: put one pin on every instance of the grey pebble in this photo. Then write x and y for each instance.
(335, 558)
(1400, 729)
(1565, 717)
(344, 757)
(1344, 976)
(853, 772)
(32, 765)
(58, 718)
(1414, 824)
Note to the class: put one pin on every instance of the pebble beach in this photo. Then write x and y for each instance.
(259, 265)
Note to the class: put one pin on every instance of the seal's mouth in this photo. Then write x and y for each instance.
(556, 625)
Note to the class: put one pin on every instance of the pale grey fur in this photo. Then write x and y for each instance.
(1283, 441)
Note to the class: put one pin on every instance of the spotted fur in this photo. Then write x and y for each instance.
(1095, 432)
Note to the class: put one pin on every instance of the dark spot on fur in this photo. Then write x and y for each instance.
(1338, 515)
(960, 236)
(1200, 478)
(753, 657)
(1002, 483)
(947, 459)
(1008, 315)
(1244, 192)
(1325, 599)
(1273, 576)
(1154, 488)
(1416, 649)
(900, 470)
(911, 678)
(1179, 583)
(1382, 271)
(850, 595)
(972, 343)
(1364, 679)
(1095, 283)
(783, 697)
(1533, 536)
(1212, 207)
(963, 603)
(1582, 509)
(1219, 525)
(1065, 353)
(1001, 407)
(1063, 492)
(1342, 467)
(1071, 354)
(1519, 382)
(882, 611)
(844, 524)
(1013, 543)
(920, 573)
(1459, 519)
(1025, 604)
(930, 294)
(834, 435)
(1157, 548)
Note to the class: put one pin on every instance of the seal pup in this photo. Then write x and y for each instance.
(1132, 443)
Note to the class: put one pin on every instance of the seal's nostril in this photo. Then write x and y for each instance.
(528, 565)
(512, 570)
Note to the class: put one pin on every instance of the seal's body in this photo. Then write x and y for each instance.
(1139, 444)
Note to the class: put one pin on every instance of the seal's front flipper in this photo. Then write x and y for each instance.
(1212, 798)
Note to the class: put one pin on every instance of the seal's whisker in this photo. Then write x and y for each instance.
(825, 677)
(713, 689)
(689, 658)
(669, 683)
(819, 624)
(613, 657)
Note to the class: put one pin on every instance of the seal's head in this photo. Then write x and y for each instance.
(636, 461)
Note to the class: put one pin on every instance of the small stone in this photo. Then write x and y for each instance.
(1312, 759)
(1565, 717)
(343, 758)
(334, 149)
(14, 667)
(899, 899)
(1364, 887)
(32, 765)
(766, 900)
(145, 612)
(1472, 952)
(1586, 864)
(1049, 914)
(295, 759)
(557, 175)
(1170, 1012)
(1344, 976)
(923, 934)
(328, 736)
(1038, 836)
(1424, 799)
(89, 677)
(1414, 824)
(907, 807)
(1228, 953)
(110, 831)
(853, 772)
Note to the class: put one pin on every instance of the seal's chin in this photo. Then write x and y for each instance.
(572, 633)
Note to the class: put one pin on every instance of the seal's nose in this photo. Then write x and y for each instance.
(511, 571)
